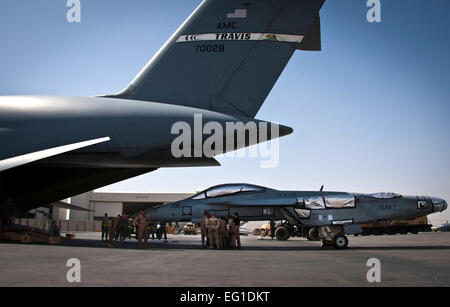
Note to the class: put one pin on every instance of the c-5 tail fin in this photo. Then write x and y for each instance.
(228, 54)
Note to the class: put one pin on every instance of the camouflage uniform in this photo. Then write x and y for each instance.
(112, 228)
(203, 229)
(141, 222)
(222, 233)
(105, 222)
(123, 228)
(213, 227)
(151, 231)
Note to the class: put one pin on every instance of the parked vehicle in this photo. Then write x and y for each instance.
(243, 231)
(414, 226)
(189, 229)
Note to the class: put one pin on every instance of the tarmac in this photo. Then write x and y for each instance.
(406, 260)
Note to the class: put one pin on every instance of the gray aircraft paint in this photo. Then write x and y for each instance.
(179, 81)
(134, 127)
(251, 205)
(248, 67)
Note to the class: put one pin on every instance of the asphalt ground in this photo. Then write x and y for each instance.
(405, 260)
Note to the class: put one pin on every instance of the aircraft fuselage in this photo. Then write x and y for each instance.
(307, 208)
(139, 138)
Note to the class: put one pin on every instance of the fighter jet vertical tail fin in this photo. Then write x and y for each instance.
(228, 54)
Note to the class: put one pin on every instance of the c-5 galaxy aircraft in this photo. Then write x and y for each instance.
(330, 216)
(220, 65)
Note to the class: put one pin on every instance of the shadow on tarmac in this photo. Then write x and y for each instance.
(174, 245)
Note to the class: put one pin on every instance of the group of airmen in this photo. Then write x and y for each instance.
(215, 233)
(117, 228)
(219, 231)
(121, 227)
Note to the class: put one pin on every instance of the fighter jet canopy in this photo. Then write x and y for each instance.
(384, 195)
(227, 189)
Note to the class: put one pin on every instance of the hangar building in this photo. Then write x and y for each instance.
(98, 203)
(117, 203)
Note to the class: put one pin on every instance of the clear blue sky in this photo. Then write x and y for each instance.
(370, 112)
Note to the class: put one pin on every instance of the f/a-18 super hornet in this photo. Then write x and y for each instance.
(329, 216)
(219, 66)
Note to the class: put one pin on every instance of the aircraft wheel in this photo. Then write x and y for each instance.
(282, 233)
(313, 235)
(340, 241)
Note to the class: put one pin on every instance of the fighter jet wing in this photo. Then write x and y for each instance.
(259, 202)
(42, 154)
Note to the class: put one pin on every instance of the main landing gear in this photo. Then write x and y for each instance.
(333, 236)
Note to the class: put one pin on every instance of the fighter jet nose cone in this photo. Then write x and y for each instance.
(439, 204)
(285, 130)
